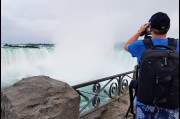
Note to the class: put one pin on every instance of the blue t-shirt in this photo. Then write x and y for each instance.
(136, 49)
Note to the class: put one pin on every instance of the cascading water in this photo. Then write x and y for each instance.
(12, 56)
(18, 62)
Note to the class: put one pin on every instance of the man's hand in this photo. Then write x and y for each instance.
(143, 28)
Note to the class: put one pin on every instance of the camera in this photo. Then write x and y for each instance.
(146, 32)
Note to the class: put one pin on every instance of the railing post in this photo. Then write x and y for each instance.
(119, 86)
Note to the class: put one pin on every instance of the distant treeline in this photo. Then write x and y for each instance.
(29, 45)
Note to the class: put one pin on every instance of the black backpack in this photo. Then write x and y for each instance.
(158, 76)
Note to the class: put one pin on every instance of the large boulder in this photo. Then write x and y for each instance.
(39, 97)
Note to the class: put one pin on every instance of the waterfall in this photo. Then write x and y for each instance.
(18, 62)
(10, 56)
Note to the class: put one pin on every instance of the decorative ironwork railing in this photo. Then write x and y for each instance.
(97, 93)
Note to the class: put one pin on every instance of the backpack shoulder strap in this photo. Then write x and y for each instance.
(172, 43)
(148, 43)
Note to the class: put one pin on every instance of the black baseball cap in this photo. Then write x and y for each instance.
(160, 21)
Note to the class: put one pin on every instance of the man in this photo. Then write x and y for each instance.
(159, 25)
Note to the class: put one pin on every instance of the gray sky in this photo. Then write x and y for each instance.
(52, 21)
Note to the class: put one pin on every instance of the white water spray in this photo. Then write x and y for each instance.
(84, 34)
(71, 66)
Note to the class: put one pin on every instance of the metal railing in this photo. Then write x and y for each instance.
(98, 93)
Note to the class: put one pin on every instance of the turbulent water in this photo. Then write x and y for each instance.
(20, 62)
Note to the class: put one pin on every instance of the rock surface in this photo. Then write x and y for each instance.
(39, 97)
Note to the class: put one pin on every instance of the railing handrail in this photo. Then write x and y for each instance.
(119, 85)
(100, 80)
